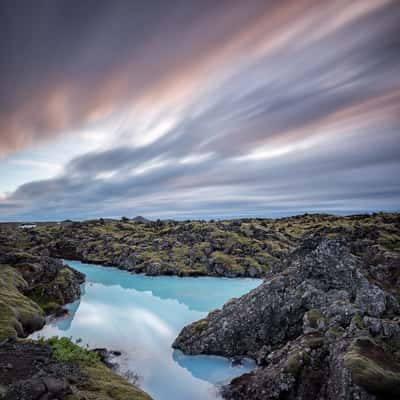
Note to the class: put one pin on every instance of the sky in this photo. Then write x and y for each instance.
(198, 109)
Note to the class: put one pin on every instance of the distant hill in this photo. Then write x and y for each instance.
(140, 219)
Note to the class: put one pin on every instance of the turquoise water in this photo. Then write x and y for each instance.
(141, 316)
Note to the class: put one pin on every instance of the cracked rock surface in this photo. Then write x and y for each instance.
(319, 328)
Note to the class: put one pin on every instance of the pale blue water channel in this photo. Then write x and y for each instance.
(141, 316)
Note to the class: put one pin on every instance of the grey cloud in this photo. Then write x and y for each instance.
(341, 89)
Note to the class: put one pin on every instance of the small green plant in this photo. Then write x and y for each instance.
(65, 350)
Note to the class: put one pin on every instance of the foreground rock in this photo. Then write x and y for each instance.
(58, 369)
(317, 327)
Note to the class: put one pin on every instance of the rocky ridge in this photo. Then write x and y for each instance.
(231, 248)
(325, 324)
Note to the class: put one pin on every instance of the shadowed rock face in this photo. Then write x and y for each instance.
(302, 325)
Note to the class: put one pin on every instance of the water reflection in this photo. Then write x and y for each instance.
(64, 324)
(141, 316)
(200, 294)
(212, 369)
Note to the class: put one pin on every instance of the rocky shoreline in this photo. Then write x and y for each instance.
(324, 325)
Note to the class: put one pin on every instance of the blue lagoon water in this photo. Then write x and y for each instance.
(141, 316)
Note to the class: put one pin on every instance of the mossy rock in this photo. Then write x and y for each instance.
(65, 350)
(228, 262)
(199, 326)
(314, 317)
(48, 304)
(101, 383)
(358, 321)
(336, 332)
(19, 315)
(296, 362)
(181, 251)
(373, 368)
(315, 342)
(64, 276)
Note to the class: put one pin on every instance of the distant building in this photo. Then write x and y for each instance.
(28, 226)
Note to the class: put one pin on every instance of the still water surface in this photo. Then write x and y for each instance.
(141, 316)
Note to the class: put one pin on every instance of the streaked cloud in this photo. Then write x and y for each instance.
(204, 109)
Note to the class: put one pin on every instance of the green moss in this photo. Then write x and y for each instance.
(252, 262)
(314, 316)
(48, 304)
(149, 255)
(16, 310)
(64, 276)
(315, 342)
(199, 326)
(65, 350)
(228, 262)
(389, 240)
(296, 361)
(9, 324)
(101, 382)
(181, 251)
(373, 368)
(358, 321)
(337, 332)
(332, 235)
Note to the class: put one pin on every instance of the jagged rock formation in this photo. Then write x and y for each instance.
(320, 327)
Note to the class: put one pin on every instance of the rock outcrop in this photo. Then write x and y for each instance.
(33, 286)
(318, 328)
(19, 315)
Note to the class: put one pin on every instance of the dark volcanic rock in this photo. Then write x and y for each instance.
(273, 313)
(29, 372)
(50, 281)
(302, 325)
